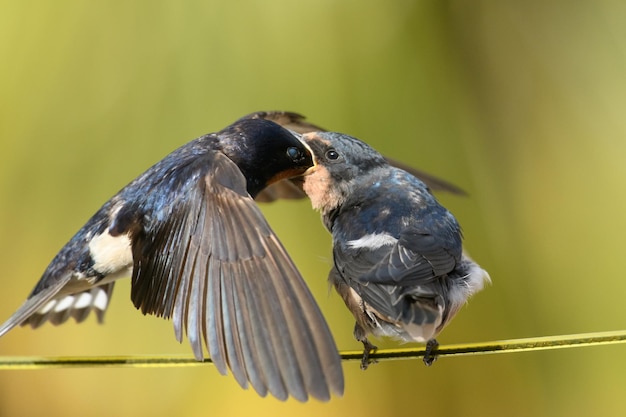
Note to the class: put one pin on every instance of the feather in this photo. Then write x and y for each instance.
(231, 284)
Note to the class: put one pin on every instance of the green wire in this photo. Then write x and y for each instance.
(156, 361)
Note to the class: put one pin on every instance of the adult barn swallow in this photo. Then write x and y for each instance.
(201, 253)
(398, 258)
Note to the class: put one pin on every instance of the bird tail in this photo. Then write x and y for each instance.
(47, 305)
(79, 305)
(32, 305)
(422, 317)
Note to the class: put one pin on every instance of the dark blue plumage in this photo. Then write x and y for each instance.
(398, 256)
(201, 253)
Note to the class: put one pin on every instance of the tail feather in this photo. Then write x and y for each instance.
(48, 306)
(33, 304)
(77, 306)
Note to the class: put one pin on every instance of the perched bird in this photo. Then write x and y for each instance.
(398, 258)
(201, 253)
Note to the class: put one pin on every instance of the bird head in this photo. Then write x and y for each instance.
(339, 160)
(264, 152)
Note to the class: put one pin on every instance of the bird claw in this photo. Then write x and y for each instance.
(367, 349)
(430, 355)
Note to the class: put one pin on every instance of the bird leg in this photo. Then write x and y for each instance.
(367, 349)
(430, 355)
(359, 334)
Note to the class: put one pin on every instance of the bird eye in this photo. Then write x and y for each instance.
(332, 154)
(294, 153)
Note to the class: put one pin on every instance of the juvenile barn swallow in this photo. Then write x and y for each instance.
(398, 258)
(201, 253)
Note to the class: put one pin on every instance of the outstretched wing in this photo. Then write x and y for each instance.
(206, 257)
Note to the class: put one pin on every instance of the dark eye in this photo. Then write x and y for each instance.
(332, 154)
(294, 153)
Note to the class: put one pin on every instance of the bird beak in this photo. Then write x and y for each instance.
(309, 171)
(301, 137)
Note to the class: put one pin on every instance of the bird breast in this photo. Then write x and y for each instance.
(319, 187)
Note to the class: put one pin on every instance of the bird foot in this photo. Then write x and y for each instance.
(430, 355)
(367, 349)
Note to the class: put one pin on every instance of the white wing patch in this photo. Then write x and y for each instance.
(373, 241)
(111, 254)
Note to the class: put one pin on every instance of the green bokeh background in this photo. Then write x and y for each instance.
(523, 104)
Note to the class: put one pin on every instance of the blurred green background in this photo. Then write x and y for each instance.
(523, 104)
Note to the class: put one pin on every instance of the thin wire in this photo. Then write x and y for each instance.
(503, 346)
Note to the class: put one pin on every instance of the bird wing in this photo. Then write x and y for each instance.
(287, 119)
(215, 267)
(404, 250)
(417, 257)
(398, 280)
(386, 267)
(434, 183)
